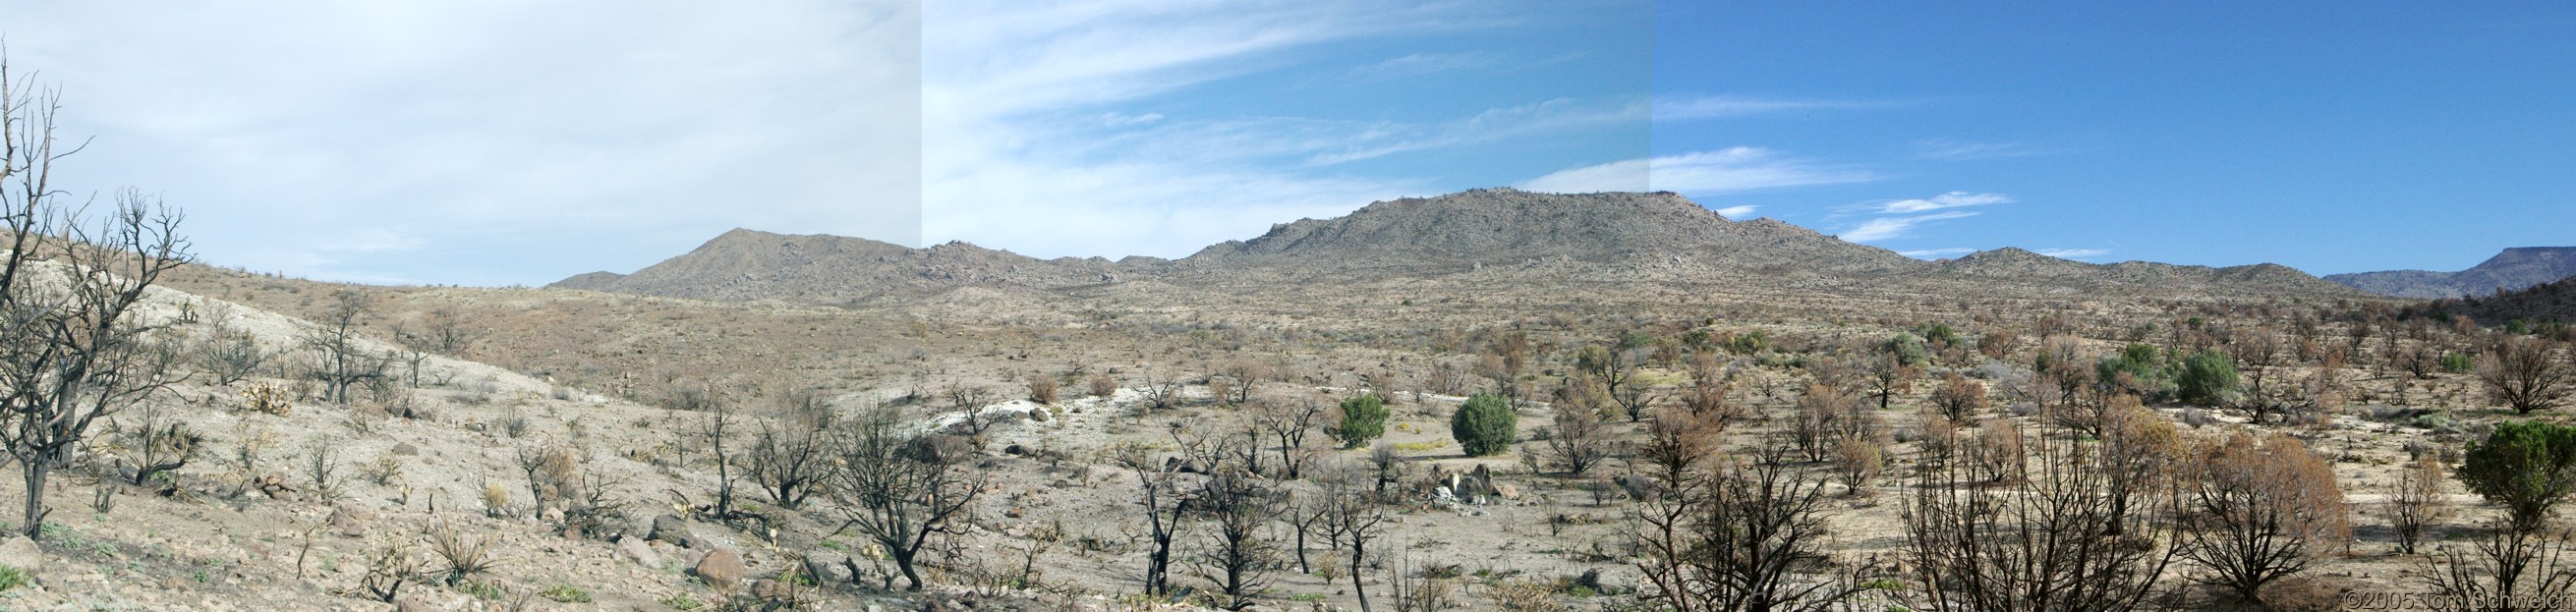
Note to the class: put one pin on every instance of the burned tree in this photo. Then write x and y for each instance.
(1576, 439)
(1733, 535)
(75, 343)
(1236, 507)
(2259, 508)
(896, 495)
(2524, 374)
(339, 361)
(1163, 496)
(2061, 542)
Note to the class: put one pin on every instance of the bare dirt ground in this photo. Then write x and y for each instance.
(599, 374)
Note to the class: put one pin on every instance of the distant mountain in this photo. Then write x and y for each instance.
(745, 265)
(2036, 273)
(1477, 236)
(2553, 301)
(2515, 268)
(1466, 230)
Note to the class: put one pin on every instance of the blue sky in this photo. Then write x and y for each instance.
(2331, 137)
(510, 143)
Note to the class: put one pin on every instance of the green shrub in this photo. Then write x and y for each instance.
(11, 578)
(2139, 362)
(1938, 332)
(1908, 349)
(684, 603)
(2527, 467)
(2458, 363)
(2208, 378)
(1748, 343)
(1634, 339)
(565, 593)
(1485, 425)
(1363, 419)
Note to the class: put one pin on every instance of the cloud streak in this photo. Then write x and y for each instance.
(1721, 171)
(1690, 107)
(1951, 150)
(1886, 228)
(2073, 253)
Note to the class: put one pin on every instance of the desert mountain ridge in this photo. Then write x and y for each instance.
(1498, 234)
(2510, 270)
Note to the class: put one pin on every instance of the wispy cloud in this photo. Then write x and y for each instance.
(1417, 64)
(1955, 199)
(1038, 137)
(1727, 170)
(1684, 107)
(1954, 150)
(1898, 218)
(1384, 139)
(1884, 228)
(1736, 212)
(1936, 253)
(2073, 253)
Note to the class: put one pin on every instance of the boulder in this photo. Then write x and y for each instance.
(19, 552)
(721, 569)
(634, 549)
(671, 528)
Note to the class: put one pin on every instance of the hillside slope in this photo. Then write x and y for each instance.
(2512, 269)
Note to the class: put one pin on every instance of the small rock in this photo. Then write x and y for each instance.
(1506, 491)
(722, 569)
(770, 590)
(824, 569)
(406, 449)
(634, 549)
(351, 519)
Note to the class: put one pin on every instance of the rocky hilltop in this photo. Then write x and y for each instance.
(2513, 269)
(2033, 272)
(744, 265)
(1483, 235)
(1422, 236)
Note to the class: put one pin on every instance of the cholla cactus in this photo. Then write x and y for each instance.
(266, 398)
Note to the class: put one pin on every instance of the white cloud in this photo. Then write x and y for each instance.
(1951, 150)
(1416, 64)
(1492, 125)
(1955, 199)
(1736, 212)
(2073, 253)
(1699, 173)
(1884, 228)
(1684, 107)
(1936, 253)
